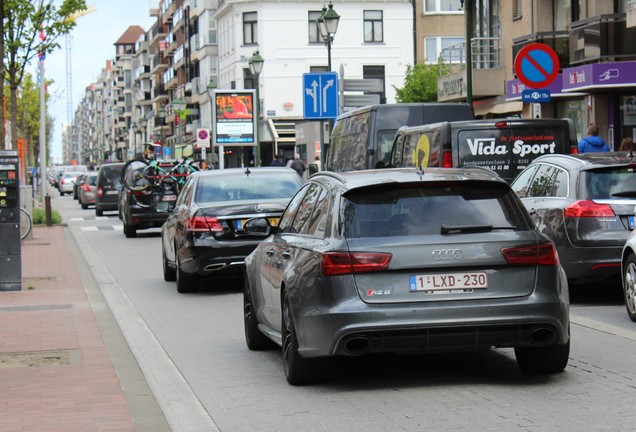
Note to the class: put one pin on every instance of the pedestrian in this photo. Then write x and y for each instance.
(298, 165)
(592, 142)
(626, 145)
(317, 162)
(277, 160)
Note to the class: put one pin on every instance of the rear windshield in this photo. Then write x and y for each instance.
(422, 210)
(111, 175)
(242, 187)
(616, 182)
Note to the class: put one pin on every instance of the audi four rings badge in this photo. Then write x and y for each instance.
(447, 254)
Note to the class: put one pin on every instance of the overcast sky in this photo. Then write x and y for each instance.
(92, 44)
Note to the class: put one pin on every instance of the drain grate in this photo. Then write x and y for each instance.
(34, 308)
(39, 358)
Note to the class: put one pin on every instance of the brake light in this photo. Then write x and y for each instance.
(204, 224)
(574, 150)
(447, 159)
(501, 125)
(585, 209)
(100, 192)
(341, 263)
(86, 188)
(542, 254)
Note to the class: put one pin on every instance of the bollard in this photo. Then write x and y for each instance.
(47, 210)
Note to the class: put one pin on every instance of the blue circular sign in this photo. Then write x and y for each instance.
(537, 65)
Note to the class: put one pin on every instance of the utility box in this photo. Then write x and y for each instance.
(10, 253)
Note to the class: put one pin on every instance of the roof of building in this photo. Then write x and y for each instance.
(130, 36)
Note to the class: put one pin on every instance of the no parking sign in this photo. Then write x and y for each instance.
(203, 138)
(537, 65)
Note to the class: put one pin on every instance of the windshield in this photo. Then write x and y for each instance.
(610, 183)
(256, 186)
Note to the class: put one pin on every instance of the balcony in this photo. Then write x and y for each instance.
(158, 63)
(159, 94)
(603, 38)
(559, 41)
(488, 77)
(156, 33)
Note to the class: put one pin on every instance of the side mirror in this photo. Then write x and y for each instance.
(259, 227)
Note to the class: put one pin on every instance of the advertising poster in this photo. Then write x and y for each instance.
(234, 120)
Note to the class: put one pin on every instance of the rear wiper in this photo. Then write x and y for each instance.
(465, 229)
(626, 194)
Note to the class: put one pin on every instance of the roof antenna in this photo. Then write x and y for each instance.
(631, 154)
(247, 171)
(421, 154)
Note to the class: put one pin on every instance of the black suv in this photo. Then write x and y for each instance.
(140, 209)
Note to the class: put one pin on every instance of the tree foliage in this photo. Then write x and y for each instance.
(420, 83)
(24, 22)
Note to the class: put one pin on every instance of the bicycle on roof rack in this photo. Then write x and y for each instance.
(151, 180)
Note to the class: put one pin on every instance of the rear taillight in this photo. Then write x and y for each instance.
(204, 224)
(588, 209)
(447, 159)
(86, 188)
(100, 192)
(341, 263)
(542, 254)
(574, 150)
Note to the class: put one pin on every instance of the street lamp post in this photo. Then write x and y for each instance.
(256, 67)
(328, 25)
(211, 88)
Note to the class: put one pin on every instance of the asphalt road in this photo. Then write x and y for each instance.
(192, 351)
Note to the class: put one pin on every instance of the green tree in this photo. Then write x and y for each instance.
(420, 83)
(24, 22)
(28, 116)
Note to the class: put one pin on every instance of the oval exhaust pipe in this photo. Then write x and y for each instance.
(542, 336)
(357, 345)
(215, 267)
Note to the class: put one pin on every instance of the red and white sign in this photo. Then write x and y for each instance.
(203, 138)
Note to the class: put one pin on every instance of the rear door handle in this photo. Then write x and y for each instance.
(269, 252)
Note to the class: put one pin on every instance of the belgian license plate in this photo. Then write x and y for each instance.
(448, 283)
(240, 223)
(273, 222)
(169, 198)
(111, 192)
(632, 222)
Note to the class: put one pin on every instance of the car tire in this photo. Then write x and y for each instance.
(84, 206)
(185, 283)
(298, 369)
(169, 274)
(254, 338)
(543, 360)
(61, 193)
(99, 212)
(130, 231)
(629, 286)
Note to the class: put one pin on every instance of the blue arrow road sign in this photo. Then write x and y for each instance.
(320, 95)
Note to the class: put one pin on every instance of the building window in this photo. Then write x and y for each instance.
(375, 72)
(434, 46)
(373, 26)
(443, 6)
(312, 26)
(516, 9)
(250, 28)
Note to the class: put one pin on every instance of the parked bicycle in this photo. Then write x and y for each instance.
(26, 224)
(155, 178)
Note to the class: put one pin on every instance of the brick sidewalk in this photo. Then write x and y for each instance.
(55, 371)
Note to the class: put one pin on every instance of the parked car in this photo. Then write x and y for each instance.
(108, 187)
(139, 209)
(67, 183)
(583, 203)
(88, 190)
(204, 236)
(404, 261)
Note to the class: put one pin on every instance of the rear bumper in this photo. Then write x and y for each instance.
(590, 263)
(220, 261)
(356, 328)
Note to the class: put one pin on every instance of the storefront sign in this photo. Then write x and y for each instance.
(599, 75)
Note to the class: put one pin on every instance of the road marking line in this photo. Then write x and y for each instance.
(603, 327)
